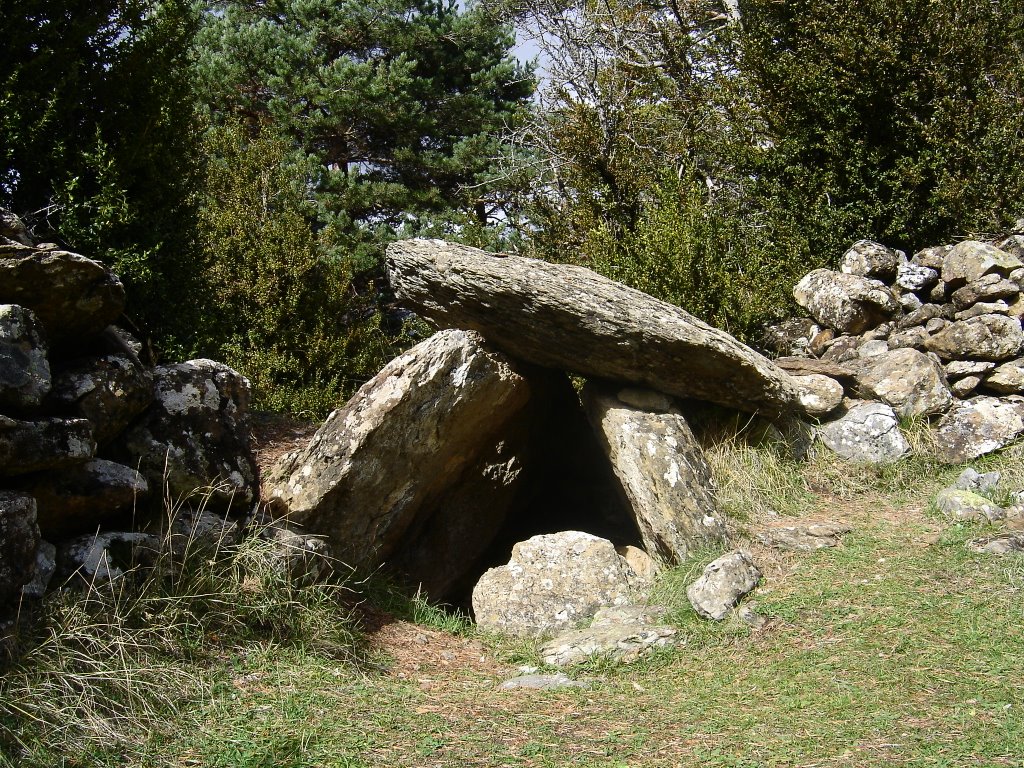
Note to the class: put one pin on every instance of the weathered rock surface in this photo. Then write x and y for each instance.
(554, 582)
(109, 391)
(790, 337)
(910, 302)
(846, 303)
(867, 258)
(24, 367)
(1000, 544)
(957, 369)
(911, 338)
(843, 349)
(804, 366)
(303, 558)
(919, 316)
(663, 474)
(570, 318)
(872, 348)
(45, 567)
(441, 546)
(19, 540)
(914, 277)
(1008, 378)
(986, 337)
(195, 435)
(74, 297)
(804, 538)
(967, 505)
(616, 634)
(106, 557)
(970, 260)
(913, 383)
(978, 426)
(820, 394)
(983, 308)
(401, 443)
(868, 432)
(79, 498)
(987, 288)
(30, 446)
(13, 228)
(980, 482)
(722, 584)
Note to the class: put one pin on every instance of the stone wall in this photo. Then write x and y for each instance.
(92, 438)
(935, 336)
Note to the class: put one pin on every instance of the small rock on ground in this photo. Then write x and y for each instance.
(620, 634)
(967, 505)
(971, 480)
(804, 538)
(1002, 544)
(542, 683)
(722, 584)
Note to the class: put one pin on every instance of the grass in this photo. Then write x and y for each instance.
(898, 647)
(104, 666)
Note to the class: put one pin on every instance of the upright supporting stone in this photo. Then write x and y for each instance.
(399, 446)
(663, 474)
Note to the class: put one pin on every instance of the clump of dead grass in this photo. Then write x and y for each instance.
(101, 665)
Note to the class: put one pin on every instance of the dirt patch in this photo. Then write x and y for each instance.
(432, 658)
(274, 435)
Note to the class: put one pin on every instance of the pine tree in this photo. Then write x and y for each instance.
(400, 102)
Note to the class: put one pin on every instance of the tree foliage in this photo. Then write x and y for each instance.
(335, 128)
(98, 138)
(901, 121)
(402, 103)
(687, 146)
(275, 307)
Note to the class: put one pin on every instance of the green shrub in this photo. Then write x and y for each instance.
(690, 250)
(277, 304)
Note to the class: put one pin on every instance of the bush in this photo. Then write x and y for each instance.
(900, 122)
(688, 249)
(277, 305)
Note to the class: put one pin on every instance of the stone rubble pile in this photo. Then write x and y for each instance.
(91, 438)
(934, 336)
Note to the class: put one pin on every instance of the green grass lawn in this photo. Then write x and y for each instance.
(897, 648)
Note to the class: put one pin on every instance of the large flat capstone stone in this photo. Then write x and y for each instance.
(570, 318)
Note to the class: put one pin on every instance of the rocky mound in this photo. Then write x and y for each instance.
(90, 436)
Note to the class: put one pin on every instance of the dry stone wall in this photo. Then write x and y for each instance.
(91, 438)
(935, 336)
